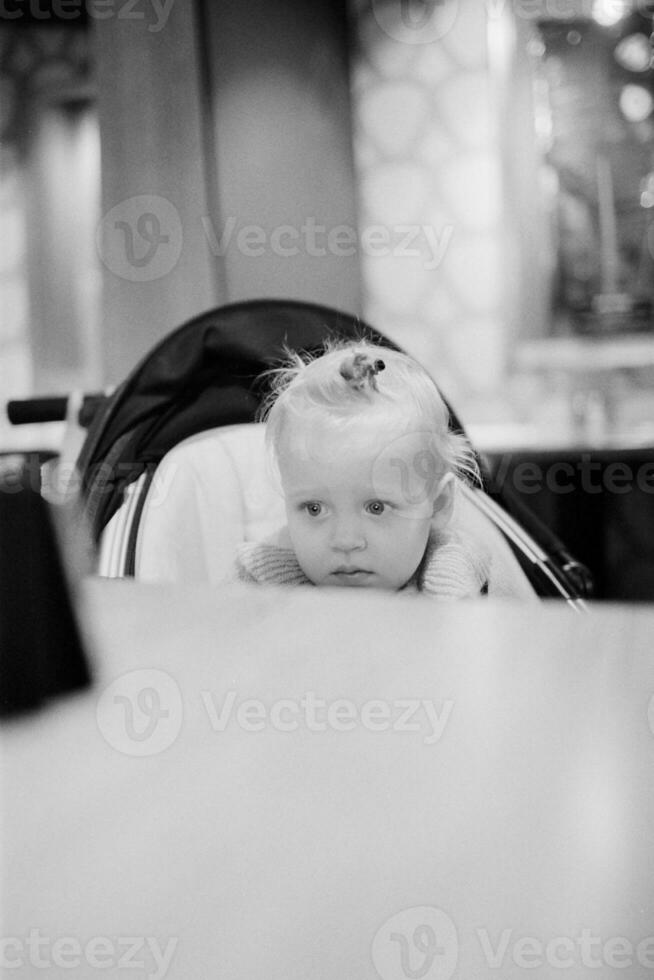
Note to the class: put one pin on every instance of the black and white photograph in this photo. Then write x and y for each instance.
(327, 489)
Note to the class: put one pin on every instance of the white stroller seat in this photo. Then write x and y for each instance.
(215, 490)
(209, 494)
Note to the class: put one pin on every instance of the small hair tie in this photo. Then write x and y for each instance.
(360, 369)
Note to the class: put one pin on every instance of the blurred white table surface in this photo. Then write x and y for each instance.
(415, 789)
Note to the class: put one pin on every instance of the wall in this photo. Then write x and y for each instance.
(428, 159)
(226, 163)
(49, 204)
(284, 215)
(157, 269)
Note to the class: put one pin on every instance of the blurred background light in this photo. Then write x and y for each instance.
(647, 191)
(610, 12)
(636, 103)
(634, 52)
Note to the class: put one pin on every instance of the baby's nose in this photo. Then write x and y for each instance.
(348, 535)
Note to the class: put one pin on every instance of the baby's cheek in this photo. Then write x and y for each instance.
(304, 540)
(311, 567)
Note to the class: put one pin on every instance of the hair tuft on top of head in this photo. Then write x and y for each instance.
(359, 369)
(339, 383)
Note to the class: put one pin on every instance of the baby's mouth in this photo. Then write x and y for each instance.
(351, 575)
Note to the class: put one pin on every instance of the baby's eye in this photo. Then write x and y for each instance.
(313, 508)
(376, 507)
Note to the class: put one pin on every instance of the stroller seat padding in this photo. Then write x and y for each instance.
(210, 493)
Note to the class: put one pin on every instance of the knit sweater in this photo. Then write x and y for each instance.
(449, 569)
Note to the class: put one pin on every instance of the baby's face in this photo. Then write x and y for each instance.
(360, 507)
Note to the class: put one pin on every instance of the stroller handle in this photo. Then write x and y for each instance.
(53, 408)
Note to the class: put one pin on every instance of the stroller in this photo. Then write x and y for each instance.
(173, 471)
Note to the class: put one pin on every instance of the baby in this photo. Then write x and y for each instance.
(369, 470)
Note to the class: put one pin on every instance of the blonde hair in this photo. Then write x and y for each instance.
(348, 378)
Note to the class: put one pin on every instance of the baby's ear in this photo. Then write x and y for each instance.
(444, 501)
